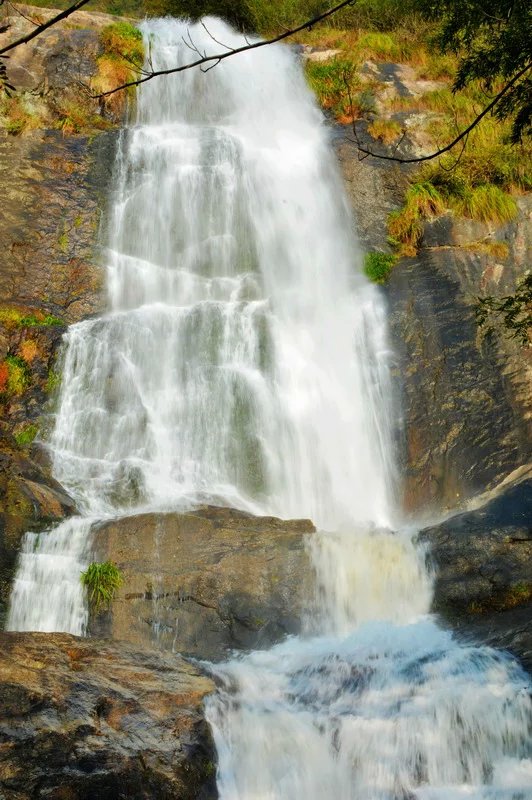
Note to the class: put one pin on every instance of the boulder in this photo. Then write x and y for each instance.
(82, 719)
(482, 559)
(205, 582)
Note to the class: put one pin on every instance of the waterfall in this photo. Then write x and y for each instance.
(243, 361)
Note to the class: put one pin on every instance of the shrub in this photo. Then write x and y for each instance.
(101, 580)
(377, 266)
(53, 380)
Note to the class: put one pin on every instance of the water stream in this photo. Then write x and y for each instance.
(244, 361)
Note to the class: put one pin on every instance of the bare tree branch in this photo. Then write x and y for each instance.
(463, 135)
(40, 28)
(221, 56)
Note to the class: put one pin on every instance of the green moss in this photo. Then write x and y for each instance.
(63, 241)
(53, 380)
(102, 581)
(27, 434)
(16, 318)
(18, 375)
(377, 266)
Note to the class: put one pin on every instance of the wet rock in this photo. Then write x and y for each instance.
(466, 400)
(206, 582)
(29, 499)
(483, 563)
(83, 719)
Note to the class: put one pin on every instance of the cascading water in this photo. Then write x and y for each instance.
(244, 362)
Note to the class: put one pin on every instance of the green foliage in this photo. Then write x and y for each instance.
(490, 46)
(487, 203)
(15, 318)
(377, 266)
(102, 581)
(53, 380)
(422, 200)
(27, 434)
(513, 312)
(332, 82)
(17, 375)
(123, 40)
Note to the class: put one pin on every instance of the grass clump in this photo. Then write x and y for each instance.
(377, 266)
(386, 131)
(422, 201)
(53, 380)
(14, 378)
(102, 581)
(331, 81)
(487, 203)
(26, 435)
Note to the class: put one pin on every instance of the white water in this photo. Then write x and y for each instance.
(244, 361)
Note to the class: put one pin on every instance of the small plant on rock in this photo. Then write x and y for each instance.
(102, 581)
(377, 266)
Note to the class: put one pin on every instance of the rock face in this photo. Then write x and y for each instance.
(206, 582)
(81, 720)
(467, 401)
(483, 568)
(29, 499)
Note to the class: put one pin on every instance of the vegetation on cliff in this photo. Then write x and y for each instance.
(102, 581)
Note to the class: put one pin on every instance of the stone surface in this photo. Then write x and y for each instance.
(29, 499)
(89, 720)
(483, 563)
(205, 582)
(466, 401)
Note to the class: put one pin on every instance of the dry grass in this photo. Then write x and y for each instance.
(422, 201)
(384, 130)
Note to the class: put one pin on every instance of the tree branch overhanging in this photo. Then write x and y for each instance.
(213, 60)
(40, 28)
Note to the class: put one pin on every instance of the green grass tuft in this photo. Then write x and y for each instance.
(27, 434)
(102, 581)
(487, 203)
(422, 201)
(377, 266)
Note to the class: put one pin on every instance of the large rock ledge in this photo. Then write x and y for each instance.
(483, 563)
(206, 582)
(83, 719)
